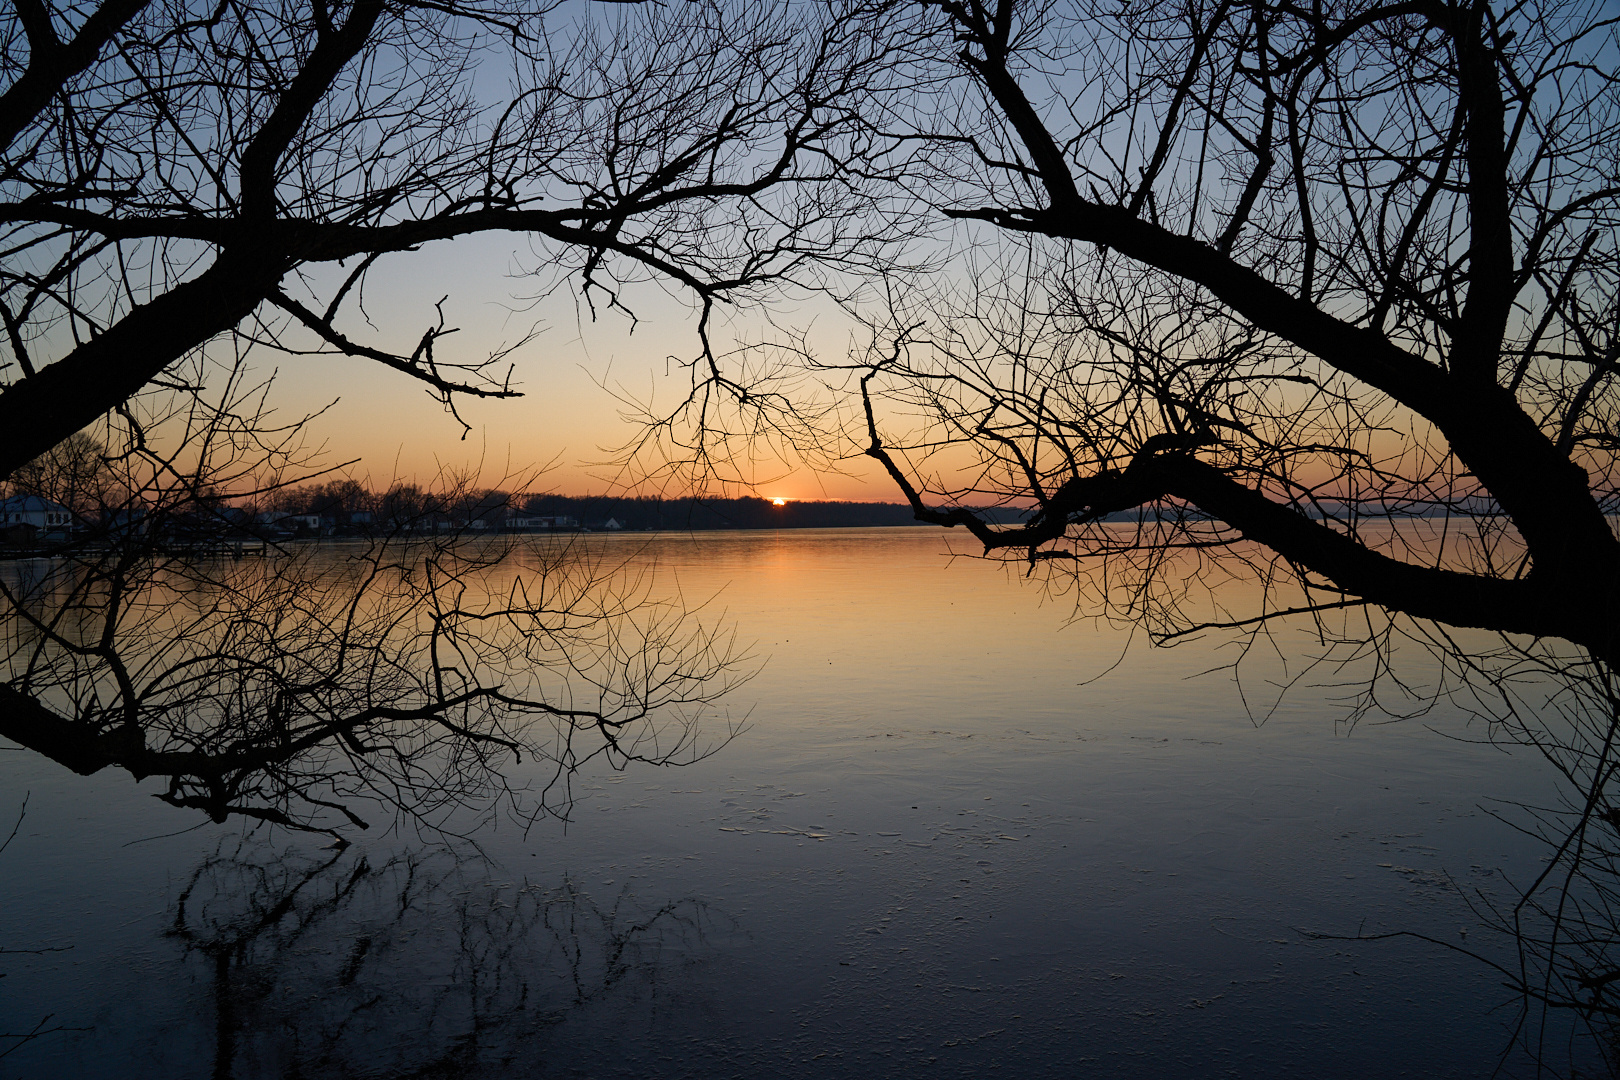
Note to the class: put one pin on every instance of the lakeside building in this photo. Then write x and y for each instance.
(26, 519)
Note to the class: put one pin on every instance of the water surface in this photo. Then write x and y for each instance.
(941, 846)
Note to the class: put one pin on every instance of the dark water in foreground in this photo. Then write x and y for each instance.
(932, 852)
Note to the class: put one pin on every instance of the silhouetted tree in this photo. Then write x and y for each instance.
(1302, 270)
(178, 173)
(73, 473)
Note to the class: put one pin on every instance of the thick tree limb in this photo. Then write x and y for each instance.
(107, 370)
(1546, 495)
(51, 63)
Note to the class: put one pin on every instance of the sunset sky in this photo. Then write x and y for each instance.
(399, 431)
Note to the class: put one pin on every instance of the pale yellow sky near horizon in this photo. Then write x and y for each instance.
(567, 416)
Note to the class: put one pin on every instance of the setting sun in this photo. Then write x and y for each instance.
(778, 502)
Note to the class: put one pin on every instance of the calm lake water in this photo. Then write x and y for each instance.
(941, 847)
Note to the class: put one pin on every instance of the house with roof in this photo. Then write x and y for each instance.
(28, 518)
(42, 514)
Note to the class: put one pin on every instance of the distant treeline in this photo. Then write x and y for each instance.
(742, 513)
(495, 509)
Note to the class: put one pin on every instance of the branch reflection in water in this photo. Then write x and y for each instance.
(420, 965)
(404, 671)
(1555, 699)
(923, 854)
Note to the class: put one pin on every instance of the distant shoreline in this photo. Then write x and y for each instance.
(748, 512)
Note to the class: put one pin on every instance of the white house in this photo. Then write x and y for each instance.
(42, 514)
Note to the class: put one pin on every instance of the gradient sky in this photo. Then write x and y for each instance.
(398, 430)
